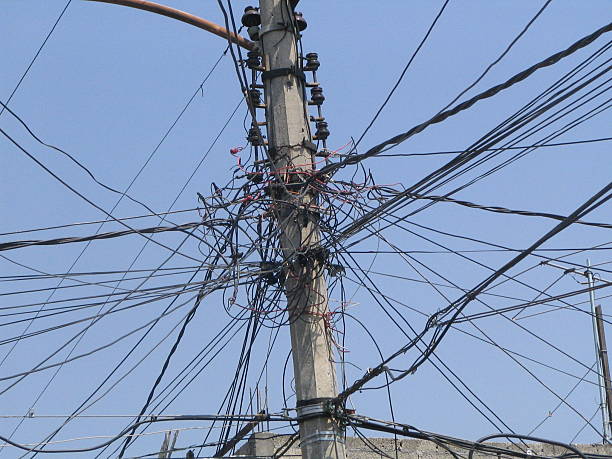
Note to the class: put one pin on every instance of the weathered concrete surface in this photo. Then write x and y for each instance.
(268, 445)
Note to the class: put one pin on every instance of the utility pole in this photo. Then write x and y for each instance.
(602, 359)
(292, 154)
(601, 353)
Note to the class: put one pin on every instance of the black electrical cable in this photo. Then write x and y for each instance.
(520, 307)
(125, 431)
(513, 278)
(69, 225)
(491, 449)
(501, 56)
(142, 168)
(520, 147)
(400, 198)
(179, 337)
(506, 350)
(79, 194)
(481, 145)
(532, 374)
(39, 367)
(517, 78)
(402, 74)
(83, 406)
(110, 235)
(457, 307)
(402, 227)
(528, 438)
(168, 358)
(40, 48)
(373, 290)
(502, 210)
(73, 159)
(149, 158)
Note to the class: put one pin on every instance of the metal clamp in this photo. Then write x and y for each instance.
(312, 408)
(309, 145)
(285, 71)
(311, 411)
(323, 435)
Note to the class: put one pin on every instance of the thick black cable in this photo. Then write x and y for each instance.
(421, 185)
(528, 438)
(489, 449)
(502, 55)
(396, 140)
(69, 225)
(375, 290)
(110, 235)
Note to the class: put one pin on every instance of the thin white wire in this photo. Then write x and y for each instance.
(33, 416)
(91, 437)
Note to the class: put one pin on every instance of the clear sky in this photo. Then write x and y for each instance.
(111, 81)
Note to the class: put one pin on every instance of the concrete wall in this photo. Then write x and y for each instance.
(268, 445)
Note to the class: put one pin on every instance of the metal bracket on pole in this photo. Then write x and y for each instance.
(308, 144)
(323, 435)
(309, 409)
(270, 74)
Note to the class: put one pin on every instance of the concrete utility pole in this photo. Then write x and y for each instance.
(291, 151)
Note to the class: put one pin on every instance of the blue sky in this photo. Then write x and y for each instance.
(111, 81)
